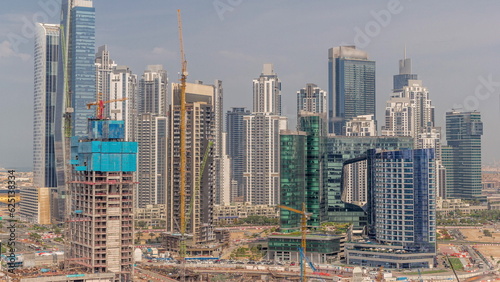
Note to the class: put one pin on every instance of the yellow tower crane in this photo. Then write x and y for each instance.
(182, 194)
(303, 228)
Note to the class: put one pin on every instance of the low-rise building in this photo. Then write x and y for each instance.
(388, 256)
(320, 248)
(152, 215)
(224, 214)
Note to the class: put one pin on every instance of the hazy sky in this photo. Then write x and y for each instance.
(454, 46)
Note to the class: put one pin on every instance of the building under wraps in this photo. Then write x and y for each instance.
(101, 199)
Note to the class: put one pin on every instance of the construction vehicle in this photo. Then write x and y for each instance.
(101, 104)
(303, 228)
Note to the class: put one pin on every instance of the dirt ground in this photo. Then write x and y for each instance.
(489, 251)
(238, 235)
(477, 235)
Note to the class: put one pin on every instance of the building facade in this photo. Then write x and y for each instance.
(340, 150)
(266, 92)
(46, 64)
(235, 148)
(152, 134)
(462, 156)
(200, 173)
(76, 86)
(302, 166)
(311, 99)
(351, 86)
(364, 125)
(262, 165)
(101, 225)
(401, 211)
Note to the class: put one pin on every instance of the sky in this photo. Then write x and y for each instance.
(453, 46)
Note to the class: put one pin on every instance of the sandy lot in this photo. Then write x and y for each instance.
(477, 235)
(489, 251)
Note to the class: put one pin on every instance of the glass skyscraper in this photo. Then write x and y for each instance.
(301, 177)
(76, 86)
(351, 86)
(402, 206)
(46, 58)
(339, 150)
(462, 156)
(235, 148)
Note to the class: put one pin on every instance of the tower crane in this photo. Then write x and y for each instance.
(101, 104)
(182, 192)
(303, 228)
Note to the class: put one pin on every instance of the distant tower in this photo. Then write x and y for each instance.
(311, 99)
(44, 156)
(351, 86)
(76, 86)
(235, 128)
(262, 129)
(46, 58)
(200, 184)
(152, 134)
(418, 223)
(124, 84)
(462, 155)
(104, 67)
(266, 92)
(405, 75)
(101, 225)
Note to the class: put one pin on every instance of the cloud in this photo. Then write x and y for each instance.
(6, 51)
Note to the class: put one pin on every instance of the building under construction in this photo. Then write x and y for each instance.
(199, 186)
(101, 199)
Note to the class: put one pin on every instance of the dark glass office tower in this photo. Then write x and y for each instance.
(351, 86)
(462, 156)
(235, 148)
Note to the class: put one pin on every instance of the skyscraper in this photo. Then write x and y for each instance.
(104, 65)
(79, 33)
(409, 112)
(401, 80)
(219, 154)
(262, 128)
(76, 86)
(46, 58)
(235, 128)
(124, 84)
(101, 218)
(152, 136)
(351, 86)
(266, 92)
(402, 211)
(462, 156)
(262, 165)
(311, 99)
(200, 165)
(302, 165)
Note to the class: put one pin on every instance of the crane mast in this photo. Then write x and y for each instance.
(182, 194)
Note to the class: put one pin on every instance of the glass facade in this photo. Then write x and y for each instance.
(340, 150)
(462, 157)
(82, 58)
(235, 128)
(402, 206)
(293, 180)
(351, 87)
(46, 59)
(302, 155)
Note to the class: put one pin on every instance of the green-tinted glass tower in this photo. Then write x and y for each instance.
(462, 156)
(302, 154)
